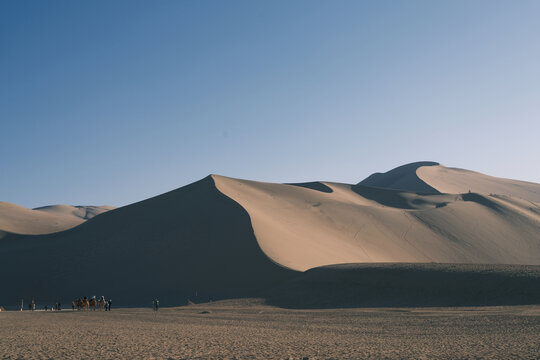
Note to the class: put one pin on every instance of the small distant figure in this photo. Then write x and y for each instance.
(109, 304)
(73, 305)
(45, 307)
(33, 305)
(155, 304)
(22, 304)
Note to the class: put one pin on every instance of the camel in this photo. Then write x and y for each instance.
(92, 304)
(101, 303)
(81, 303)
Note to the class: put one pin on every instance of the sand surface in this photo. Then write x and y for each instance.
(261, 332)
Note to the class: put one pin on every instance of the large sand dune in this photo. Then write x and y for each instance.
(301, 227)
(224, 237)
(191, 243)
(44, 220)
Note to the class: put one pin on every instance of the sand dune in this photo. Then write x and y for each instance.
(191, 243)
(222, 237)
(44, 220)
(301, 228)
(433, 178)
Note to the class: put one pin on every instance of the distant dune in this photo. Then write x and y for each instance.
(222, 237)
(44, 220)
(454, 180)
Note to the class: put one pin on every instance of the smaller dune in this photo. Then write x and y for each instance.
(44, 220)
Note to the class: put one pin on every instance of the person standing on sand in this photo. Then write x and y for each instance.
(72, 306)
(109, 303)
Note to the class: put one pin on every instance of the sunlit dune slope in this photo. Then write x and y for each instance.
(301, 227)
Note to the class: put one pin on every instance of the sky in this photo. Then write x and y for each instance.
(112, 102)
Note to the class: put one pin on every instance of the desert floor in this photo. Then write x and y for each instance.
(237, 330)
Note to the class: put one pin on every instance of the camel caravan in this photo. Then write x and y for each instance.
(92, 303)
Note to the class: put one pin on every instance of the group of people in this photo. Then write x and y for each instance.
(85, 303)
(32, 306)
(92, 303)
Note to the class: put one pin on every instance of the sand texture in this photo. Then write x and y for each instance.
(261, 332)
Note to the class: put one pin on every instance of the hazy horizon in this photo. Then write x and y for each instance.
(114, 102)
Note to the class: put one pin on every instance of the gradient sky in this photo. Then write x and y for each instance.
(112, 102)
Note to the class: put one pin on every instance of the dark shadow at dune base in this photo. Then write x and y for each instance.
(314, 185)
(410, 285)
(482, 200)
(385, 197)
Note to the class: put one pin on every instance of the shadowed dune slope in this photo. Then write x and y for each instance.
(403, 285)
(302, 228)
(402, 178)
(191, 243)
(44, 220)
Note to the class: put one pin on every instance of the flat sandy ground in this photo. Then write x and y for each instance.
(261, 332)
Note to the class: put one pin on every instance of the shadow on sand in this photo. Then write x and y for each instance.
(410, 285)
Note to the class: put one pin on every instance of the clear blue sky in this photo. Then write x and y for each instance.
(111, 102)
